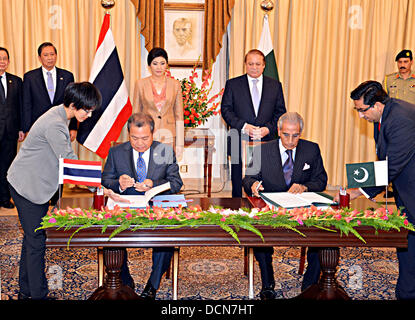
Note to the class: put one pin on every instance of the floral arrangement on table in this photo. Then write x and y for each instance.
(343, 220)
(197, 106)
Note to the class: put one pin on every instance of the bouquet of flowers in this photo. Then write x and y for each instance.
(333, 220)
(197, 105)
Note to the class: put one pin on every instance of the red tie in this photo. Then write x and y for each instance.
(379, 126)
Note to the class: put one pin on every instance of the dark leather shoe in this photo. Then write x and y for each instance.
(149, 293)
(267, 294)
(7, 204)
(22, 296)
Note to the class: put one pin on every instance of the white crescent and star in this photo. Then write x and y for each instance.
(365, 177)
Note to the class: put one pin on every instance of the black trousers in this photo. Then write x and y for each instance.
(264, 257)
(8, 149)
(405, 286)
(32, 278)
(161, 258)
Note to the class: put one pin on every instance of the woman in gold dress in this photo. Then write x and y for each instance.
(161, 97)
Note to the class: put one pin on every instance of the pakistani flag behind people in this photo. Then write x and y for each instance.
(265, 45)
(367, 174)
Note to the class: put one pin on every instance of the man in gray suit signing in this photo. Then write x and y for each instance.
(135, 167)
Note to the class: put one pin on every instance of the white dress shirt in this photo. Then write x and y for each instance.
(4, 83)
(146, 158)
(45, 76)
(259, 87)
(284, 155)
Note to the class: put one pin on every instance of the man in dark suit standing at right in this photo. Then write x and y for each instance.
(251, 105)
(10, 125)
(44, 87)
(396, 143)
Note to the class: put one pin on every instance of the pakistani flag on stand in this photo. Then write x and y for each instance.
(265, 45)
(367, 174)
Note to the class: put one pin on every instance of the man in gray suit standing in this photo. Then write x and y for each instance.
(135, 167)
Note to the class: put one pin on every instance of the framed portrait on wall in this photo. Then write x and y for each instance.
(184, 32)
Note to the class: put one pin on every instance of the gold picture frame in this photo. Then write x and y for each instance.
(184, 33)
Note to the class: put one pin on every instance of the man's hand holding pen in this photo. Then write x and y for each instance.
(256, 187)
(144, 186)
(128, 182)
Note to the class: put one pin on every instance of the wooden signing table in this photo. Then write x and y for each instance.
(210, 235)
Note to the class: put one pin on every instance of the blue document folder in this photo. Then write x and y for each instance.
(169, 200)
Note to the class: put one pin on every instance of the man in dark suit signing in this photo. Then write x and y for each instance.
(396, 143)
(44, 87)
(289, 164)
(10, 125)
(251, 105)
(135, 167)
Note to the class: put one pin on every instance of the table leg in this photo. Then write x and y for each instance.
(251, 273)
(113, 289)
(327, 287)
(205, 169)
(209, 177)
(100, 259)
(175, 272)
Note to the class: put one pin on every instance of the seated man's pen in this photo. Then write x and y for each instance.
(259, 184)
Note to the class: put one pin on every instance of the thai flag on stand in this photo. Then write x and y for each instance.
(105, 125)
(80, 172)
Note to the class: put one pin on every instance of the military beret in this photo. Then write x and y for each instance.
(404, 54)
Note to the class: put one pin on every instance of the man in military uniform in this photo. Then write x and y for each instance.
(401, 84)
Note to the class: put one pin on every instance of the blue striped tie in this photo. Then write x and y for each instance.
(51, 88)
(288, 167)
(141, 168)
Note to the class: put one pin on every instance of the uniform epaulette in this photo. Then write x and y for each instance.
(393, 75)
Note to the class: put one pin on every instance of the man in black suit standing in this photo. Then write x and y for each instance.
(44, 87)
(396, 143)
(289, 164)
(251, 105)
(135, 167)
(10, 123)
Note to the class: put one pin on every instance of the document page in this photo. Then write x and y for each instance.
(138, 201)
(289, 200)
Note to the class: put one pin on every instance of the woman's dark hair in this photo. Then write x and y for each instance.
(155, 53)
(371, 91)
(140, 119)
(84, 95)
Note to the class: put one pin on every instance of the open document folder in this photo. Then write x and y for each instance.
(290, 200)
(139, 201)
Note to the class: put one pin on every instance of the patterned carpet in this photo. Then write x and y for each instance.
(204, 273)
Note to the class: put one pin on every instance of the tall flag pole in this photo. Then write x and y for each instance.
(265, 45)
(106, 123)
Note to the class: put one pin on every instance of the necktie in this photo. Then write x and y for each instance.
(288, 167)
(2, 93)
(51, 88)
(141, 168)
(255, 95)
